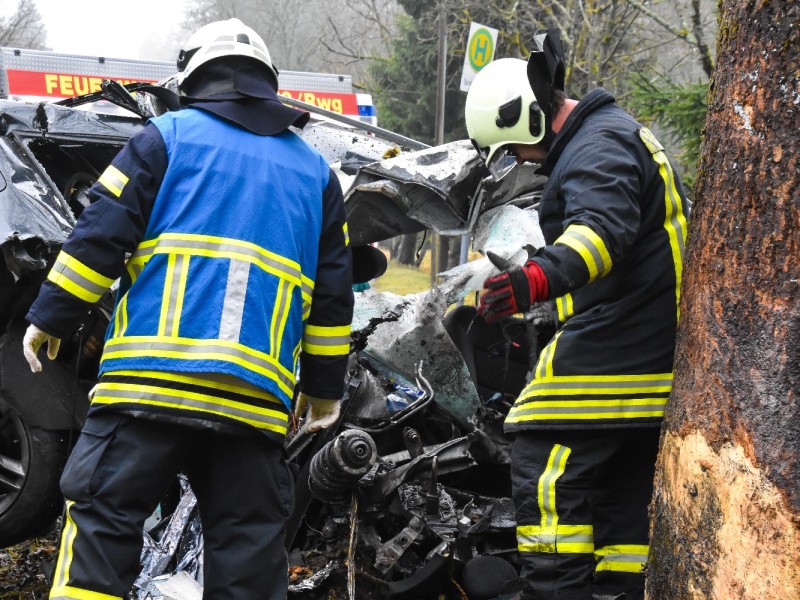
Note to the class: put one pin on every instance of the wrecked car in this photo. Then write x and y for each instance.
(408, 495)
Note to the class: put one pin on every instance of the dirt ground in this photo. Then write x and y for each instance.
(25, 569)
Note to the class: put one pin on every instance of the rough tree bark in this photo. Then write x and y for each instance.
(726, 510)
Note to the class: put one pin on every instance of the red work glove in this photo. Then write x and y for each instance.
(513, 291)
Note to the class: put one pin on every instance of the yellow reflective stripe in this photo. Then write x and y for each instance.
(567, 539)
(546, 489)
(623, 558)
(166, 296)
(208, 380)
(73, 593)
(73, 276)
(191, 349)
(121, 316)
(591, 248)
(675, 219)
(65, 553)
(346, 235)
(219, 247)
(296, 356)
(113, 180)
(564, 307)
(579, 410)
(326, 341)
(130, 393)
(587, 385)
(280, 313)
(544, 367)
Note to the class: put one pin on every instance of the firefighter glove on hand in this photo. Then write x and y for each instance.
(512, 291)
(322, 413)
(33, 340)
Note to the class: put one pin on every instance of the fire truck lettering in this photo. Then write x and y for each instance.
(336, 106)
(95, 84)
(51, 82)
(65, 85)
(81, 85)
(309, 98)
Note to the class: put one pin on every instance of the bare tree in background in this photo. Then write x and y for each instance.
(24, 28)
(309, 35)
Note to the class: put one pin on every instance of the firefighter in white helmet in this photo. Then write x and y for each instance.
(228, 234)
(586, 426)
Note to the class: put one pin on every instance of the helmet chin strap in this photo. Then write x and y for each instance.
(546, 72)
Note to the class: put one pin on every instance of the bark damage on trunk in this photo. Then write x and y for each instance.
(726, 510)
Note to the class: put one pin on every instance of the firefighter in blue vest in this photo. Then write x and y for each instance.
(586, 426)
(228, 236)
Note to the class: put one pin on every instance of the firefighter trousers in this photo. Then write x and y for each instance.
(581, 501)
(122, 466)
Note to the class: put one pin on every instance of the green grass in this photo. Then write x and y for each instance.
(402, 279)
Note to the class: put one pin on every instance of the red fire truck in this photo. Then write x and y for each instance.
(51, 76)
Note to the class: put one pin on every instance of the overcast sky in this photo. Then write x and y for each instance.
(113, 28)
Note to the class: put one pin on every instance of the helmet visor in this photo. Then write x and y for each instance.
(501, 161)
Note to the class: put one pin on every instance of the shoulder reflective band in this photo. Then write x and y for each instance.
(590, 246)
(79, 280)
(326, 341)
(113, 180)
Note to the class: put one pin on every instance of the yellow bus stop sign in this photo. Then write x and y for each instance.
(479, 52)
(481, 48)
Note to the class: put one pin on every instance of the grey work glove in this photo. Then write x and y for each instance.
(322, 413)
(33, 340)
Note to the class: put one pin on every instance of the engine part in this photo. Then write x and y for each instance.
(336, 469)
(391, 551)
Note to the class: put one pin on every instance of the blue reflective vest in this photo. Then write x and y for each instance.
(223, 278)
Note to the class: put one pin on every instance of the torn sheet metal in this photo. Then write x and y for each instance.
(431, 188)
(418, 340)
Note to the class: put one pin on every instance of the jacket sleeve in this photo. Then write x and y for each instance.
(326, 337)
(601, 186)
(106, 233)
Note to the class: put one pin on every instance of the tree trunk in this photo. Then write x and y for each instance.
(726, 508)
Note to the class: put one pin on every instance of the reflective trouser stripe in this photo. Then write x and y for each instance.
(60, 589)
(624, 558)
(72, 593)
(556, 464)
(550, 536)
(326, 341)
(566, 539)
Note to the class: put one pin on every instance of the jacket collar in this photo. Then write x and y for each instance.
(587, 105)
(262, 116)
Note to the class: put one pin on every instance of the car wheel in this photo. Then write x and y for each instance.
(31, 461)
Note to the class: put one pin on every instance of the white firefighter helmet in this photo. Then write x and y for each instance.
(222, 39)
(501, 109)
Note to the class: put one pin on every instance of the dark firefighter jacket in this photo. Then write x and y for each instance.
(233, 259)
(613, 214)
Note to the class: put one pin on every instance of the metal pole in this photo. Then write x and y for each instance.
(441, 83)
